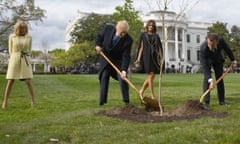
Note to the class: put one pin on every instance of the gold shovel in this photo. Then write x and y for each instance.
(148, 102)
(218, 80)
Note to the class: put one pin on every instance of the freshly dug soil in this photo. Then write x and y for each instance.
(188, 111)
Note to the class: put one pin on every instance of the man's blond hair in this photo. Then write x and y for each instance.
(123, 24)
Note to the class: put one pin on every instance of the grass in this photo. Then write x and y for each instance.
(67, 106)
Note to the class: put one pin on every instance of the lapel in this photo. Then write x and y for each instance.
(111, 38)
(119, 39)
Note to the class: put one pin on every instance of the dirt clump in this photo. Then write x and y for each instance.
(188, 111)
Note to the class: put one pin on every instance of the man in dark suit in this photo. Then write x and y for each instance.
(115, 43)
(211, 57)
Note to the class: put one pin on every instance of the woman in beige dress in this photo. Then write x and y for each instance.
(19, 67)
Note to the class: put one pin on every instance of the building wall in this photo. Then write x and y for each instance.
(70, 27)
(197, 32)
(182, 38)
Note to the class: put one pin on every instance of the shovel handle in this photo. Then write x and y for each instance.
(119, 72)
(218, 80)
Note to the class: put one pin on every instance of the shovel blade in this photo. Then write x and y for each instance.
(151, 103)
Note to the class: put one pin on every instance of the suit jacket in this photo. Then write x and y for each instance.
(207, 57)
(120, 54)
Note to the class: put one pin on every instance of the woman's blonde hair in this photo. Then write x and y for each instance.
(20, 28)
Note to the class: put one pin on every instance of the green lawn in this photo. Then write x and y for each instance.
(67, 106)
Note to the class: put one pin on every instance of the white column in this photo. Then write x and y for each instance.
(34, 67)
(48, 68)
(176, 45)
(183, 44)
(45, 67)
(166, 45)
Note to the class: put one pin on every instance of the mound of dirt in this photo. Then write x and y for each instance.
(188, 111)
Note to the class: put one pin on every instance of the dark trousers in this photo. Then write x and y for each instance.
(218, 70)
(104, 84)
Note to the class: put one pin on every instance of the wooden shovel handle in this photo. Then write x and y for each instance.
(119, 72)
(218, 80)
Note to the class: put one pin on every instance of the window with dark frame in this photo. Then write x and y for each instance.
(188, 38)
(188, 55)
(198, 38)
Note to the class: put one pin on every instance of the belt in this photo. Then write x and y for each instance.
(24, 55)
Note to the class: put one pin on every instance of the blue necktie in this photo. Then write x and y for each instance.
(114, 40)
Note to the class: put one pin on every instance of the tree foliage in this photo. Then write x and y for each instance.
(13, 10)
(127, 12)
(59, 58)
(83, 38)
(36, 53)
(231, 37)
(220, 29)
(87, 28)
(235, 40)
(79, 53)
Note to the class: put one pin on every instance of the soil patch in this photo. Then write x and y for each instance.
(188, 111)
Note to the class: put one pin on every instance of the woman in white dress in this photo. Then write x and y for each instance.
(19, 67)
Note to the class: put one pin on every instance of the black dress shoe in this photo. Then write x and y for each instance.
(128, 104)
(101, 103)
(223, 104)
(205, 106)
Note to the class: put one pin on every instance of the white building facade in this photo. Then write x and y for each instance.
(70, 27)
(181, 40)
